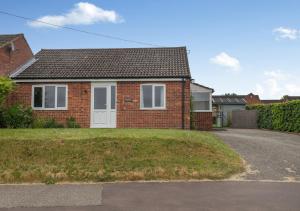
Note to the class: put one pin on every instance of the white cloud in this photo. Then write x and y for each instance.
(286, 33)
(83, 13)
(223, 59)
(293, 89)
(259, 90)
(276, 84)
(277, 74)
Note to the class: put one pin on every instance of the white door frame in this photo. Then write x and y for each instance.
(112, 113)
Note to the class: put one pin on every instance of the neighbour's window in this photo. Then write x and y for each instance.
(153, 96)
(201, 101)
(49, 97)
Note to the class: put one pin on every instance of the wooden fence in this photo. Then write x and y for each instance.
(244, 119)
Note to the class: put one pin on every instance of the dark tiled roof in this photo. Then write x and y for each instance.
(289, 98)
(229, 100)
(270, 101)
(108, 63)
(5, 38)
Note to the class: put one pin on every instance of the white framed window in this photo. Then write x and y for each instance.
(49, 97)
(153, 96)
(201, 101)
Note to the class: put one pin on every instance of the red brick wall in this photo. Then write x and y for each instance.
(11, 60)
(78, 102)
(128, 105)
(202, 120)
(129, 114)
(252, 99)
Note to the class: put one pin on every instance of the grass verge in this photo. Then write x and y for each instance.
(84, 155)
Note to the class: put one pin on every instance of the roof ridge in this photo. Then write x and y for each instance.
(66, 49)
(18, 34)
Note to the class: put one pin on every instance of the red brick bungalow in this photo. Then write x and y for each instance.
(108, 88)
(14, 52)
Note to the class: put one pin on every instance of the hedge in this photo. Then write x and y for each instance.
(279, 116)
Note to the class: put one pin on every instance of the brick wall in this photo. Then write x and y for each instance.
(11, 60)
(128, 105)
(252, 99)
(202, 120)
(129, 113)
(78, 102)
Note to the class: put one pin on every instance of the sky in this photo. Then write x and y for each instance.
(234, 46)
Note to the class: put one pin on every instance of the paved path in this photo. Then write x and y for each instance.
(49, 195)
(192, 196)
(271, 155)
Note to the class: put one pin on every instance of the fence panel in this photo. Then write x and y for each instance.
(244, 119)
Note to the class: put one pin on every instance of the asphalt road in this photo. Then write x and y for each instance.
(270, 155)
(192, 196)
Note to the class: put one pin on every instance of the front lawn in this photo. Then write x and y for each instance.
(57, 155)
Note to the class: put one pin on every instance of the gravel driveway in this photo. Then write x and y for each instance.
(269, 155)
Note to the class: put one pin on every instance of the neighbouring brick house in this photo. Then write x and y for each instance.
(14, 52)
(110, 88)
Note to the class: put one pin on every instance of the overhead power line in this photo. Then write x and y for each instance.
(82, 31)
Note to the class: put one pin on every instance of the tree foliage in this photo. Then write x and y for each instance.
(279, 116)
(6, 86)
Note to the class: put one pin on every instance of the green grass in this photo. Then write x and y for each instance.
(57, 155)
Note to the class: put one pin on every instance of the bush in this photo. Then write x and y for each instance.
(47, 123)
(2, 122)
(279, 116)
(71, 123)
(17, 116)
(6, 86)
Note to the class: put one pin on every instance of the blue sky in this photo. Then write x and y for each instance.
(235, 46)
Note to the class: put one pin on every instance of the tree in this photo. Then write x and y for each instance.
(230, 94)
(6, 86)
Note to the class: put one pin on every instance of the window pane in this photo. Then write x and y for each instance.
(38, 97)
(200, 96)
(100, 98)
(147, 96)
(113, 97)
(49, 96)
(200, 105)
(61, 96)
(159, 96)
(201, 101)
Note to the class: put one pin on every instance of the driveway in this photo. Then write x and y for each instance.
(269, 155)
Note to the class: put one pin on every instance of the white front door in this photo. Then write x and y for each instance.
(103, 105)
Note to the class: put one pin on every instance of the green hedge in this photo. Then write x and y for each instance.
(279, 116)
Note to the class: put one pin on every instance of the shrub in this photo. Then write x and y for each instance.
(17, 116)
(279, 116)
(71, 123)
(46, 123)
(2, 122)
(6, 86)
(51, 123)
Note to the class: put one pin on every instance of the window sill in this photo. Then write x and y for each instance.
(202, 111)
(50, 109)
(153, 109)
